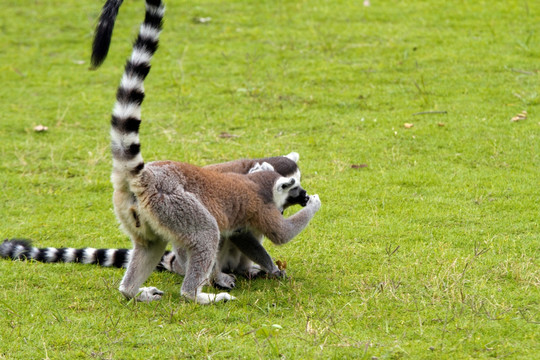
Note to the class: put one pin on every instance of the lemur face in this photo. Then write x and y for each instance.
(297, 195)
(288, 192)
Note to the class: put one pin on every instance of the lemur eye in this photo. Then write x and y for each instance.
(291, 182)
(286, 185)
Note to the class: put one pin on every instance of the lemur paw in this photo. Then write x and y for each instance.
(277, 274)
(253, 272)
(314, 202)
(149, 294)
(205, 298)
(224, 281)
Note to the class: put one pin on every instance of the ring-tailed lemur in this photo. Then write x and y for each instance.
(167, 201)
(248, 244)
(236, 252)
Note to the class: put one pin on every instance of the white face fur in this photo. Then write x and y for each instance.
(268, 167)
(281, 190)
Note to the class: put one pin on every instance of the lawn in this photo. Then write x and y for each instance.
(428, 241)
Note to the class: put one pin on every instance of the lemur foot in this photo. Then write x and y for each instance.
(256, 272)
(205, 298)
(149, 294)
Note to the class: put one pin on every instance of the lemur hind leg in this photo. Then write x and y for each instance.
(202, 250)
(144, 260)
(223, 281)
(190, 226)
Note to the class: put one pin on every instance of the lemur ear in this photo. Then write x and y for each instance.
(261, 167)
(266, 167)
(294, 156)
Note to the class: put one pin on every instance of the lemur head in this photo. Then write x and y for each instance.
(286, 190)
(285, 165)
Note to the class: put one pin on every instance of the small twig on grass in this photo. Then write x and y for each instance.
(526, 72)
(430, 112)
(478, 252)
(389, 250)
(526, 317)
(464, 270)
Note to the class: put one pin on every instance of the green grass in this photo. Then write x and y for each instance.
(431, 251)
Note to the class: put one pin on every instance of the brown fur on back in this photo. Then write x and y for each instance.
(231, 198)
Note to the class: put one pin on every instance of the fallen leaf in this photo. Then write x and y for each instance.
(441, 124)
(309, 329)
(282, 265)
(226, 135)
(521, 116)
(358, 166)
(40, 128)
(408, 125)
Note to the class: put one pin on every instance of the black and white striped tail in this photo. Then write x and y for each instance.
(126, 117)
(21, 249)
(104, 30)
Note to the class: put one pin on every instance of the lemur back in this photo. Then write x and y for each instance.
(168, 201)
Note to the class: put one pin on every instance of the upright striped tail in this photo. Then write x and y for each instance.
(104, 30)
(22, 249)
(126, 117)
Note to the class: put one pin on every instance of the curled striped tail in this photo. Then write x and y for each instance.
(126, 117)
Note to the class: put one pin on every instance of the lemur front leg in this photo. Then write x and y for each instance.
(284, 230)
(251, 247)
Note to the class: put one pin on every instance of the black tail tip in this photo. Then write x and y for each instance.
(100, 49)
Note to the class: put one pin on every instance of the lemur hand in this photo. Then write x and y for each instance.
(314, 202)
